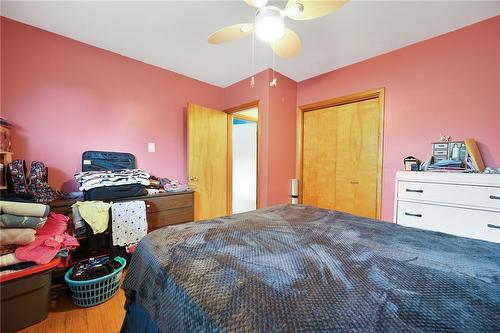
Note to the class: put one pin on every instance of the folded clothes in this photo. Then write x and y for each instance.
(6, 249)
(14, 221)
(9, 259)
(18, 236)
(17, 267)
(94, 179)
(48, 241)
(24, 209)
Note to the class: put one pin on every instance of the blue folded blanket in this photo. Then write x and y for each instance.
(14, 221)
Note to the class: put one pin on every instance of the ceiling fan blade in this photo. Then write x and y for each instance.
(311, 9)
(230, 33)
(256, 3)
(288, 46)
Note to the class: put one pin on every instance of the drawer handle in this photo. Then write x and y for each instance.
(494, 197)
(489, 225)
(415, 191)
(414, 215)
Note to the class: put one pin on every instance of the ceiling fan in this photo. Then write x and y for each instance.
(269, 24)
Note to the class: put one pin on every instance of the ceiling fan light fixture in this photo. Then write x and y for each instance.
(294, 9)
(269, 25)
(246, 28)
(259, 3)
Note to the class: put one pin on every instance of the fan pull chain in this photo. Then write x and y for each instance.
(252, 80)
(274, 82)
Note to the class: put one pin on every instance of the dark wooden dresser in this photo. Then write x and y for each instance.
(168, 208)
(162, 209)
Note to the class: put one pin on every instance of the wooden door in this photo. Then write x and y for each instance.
(207, 160)
(357, 158)
(319, 152)
(340, 161)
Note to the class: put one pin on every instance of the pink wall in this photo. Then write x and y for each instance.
(282, 139)
(241, 93)
(54, 89)
(277, 112)
(66, 97)
(449, 84)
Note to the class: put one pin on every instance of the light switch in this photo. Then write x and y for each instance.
(151, 147)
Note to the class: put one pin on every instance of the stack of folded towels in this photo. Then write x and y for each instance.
(29, 232)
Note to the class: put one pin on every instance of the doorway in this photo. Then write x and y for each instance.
(210, 159)
(244, 164)
(340, 153)
(244, 160)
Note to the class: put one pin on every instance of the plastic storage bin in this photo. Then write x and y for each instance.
(92, 292)
(25, 296)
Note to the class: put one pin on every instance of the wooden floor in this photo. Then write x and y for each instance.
(67, 317)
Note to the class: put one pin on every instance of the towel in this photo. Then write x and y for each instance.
(18, 236)
(14, 221)
(129, 222)
(95, 213)
(24, 209)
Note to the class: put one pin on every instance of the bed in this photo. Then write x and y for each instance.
(294, 268)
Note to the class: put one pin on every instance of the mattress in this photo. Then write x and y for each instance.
(294, 268)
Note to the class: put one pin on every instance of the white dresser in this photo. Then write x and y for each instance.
(462, 204)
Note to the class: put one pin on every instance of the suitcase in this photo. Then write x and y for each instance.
(104, 161)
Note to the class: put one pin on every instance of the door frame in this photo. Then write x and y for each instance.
(357, 97)
(230, 112)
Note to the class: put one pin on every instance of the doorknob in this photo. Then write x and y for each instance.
(193, 179)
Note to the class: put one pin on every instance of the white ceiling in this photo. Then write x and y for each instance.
(172, 34)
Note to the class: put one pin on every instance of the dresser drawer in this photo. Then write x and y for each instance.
(452, 220)
(157, 204)
(469, 195)
(169, 217)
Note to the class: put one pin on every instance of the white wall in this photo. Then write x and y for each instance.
(244, 167)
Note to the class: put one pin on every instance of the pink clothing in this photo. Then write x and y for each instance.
(48, 241)
(56, 224)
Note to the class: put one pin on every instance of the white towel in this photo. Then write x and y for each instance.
(129, 222)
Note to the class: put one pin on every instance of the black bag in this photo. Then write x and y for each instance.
(104, 161)
(114, 192)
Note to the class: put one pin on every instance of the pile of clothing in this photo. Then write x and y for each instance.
(94, 268)
(173, 185)
(129, 224)
(30, 234)
(94, 179)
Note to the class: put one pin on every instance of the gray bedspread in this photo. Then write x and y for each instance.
(303, 269)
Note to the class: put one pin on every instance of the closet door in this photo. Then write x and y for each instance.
(357, 158)
(319, 151)
(207, 160)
